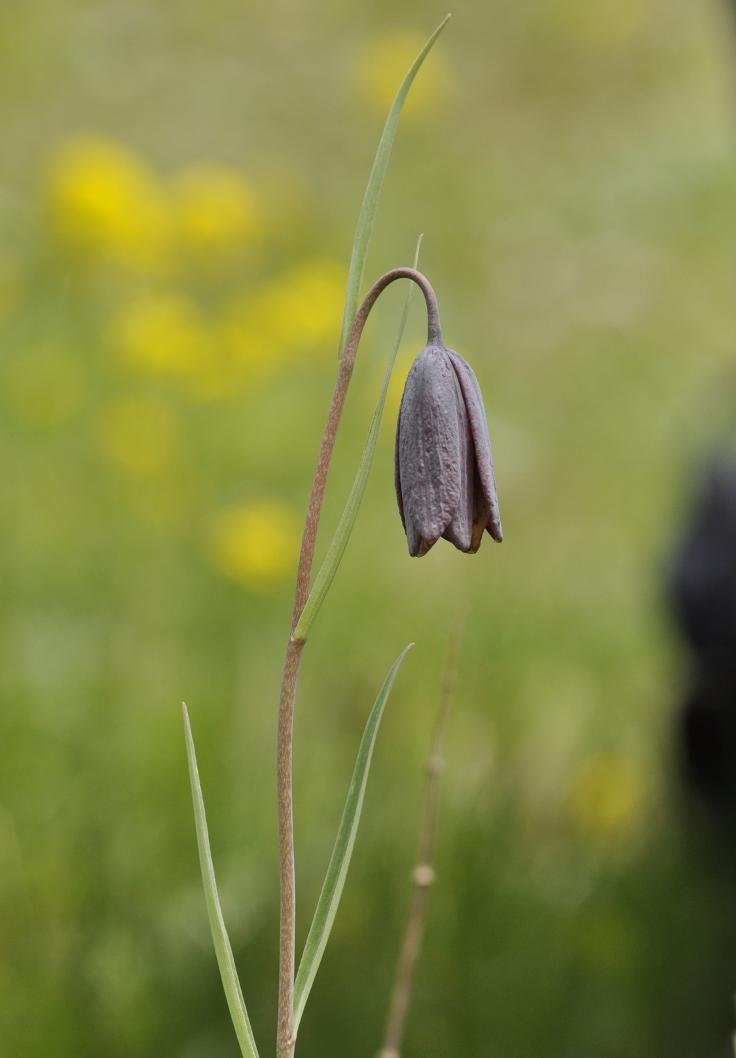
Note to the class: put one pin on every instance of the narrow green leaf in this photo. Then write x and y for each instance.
(337, 870)
(223, 951)
(372, 194)
(335, 551)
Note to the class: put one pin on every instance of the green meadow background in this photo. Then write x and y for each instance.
(179, 185)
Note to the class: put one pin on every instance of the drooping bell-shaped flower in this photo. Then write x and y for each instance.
(444, 471)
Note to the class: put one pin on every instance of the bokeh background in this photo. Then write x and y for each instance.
(179, 185)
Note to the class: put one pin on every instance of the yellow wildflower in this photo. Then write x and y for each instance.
(163, 336)
(104, 202)
(139, 435)
(298, 311)
(216, 213)
(382, 64)
(255, 544)
(606, 797)
(308, 302)
(45, 386)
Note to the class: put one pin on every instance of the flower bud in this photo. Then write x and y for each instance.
(444, 471)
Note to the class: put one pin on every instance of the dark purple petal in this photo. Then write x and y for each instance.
(487, 505)
(460, 530)
(397, 468)
(431, 451)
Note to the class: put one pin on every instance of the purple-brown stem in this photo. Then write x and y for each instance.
(287, 928)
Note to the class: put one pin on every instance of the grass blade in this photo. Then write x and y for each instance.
(333, 557)
(372, 194)
(337, 870)
(223, 951)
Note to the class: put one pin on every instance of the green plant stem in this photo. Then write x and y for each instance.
(294, 648)
(423, 875)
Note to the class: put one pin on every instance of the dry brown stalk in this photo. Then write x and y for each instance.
(423, 875)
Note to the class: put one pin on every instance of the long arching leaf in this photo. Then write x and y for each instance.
(223, 951)
(372, 194)
(334, 883)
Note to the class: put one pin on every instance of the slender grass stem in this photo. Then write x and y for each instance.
(423, 874)
(294, 648)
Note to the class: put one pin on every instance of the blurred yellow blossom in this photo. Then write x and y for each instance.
(298, 311)
(166, 335)
(308, 304)
(382, 64)
(163, 335)
(606, 797)
(295, 312)
(255, 544)
(139, 435)
(103, 201)
(216, 213)
(45, 386)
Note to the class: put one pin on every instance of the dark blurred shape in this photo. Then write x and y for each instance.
(703, 597)
(708, 729)
(704, 577)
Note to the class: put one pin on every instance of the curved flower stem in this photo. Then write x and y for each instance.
(287, 945)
